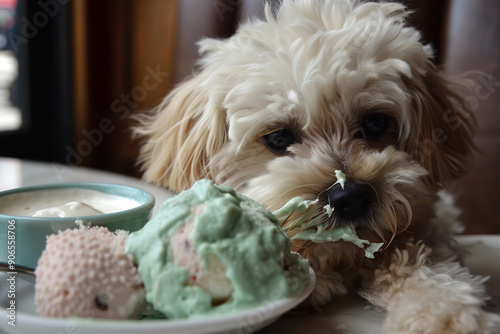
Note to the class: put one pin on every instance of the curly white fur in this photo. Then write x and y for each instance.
(318, 70)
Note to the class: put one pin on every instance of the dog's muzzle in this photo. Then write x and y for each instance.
(353, 203)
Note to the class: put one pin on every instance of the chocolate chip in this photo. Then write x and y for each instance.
(285, 265)
(101, 303)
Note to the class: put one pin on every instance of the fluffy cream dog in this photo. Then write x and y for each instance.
(320, 86)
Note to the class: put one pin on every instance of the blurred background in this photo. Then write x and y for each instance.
(73, 72)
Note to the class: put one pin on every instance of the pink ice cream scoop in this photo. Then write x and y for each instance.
(85, 272)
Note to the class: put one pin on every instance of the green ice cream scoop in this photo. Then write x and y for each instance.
(210, 250)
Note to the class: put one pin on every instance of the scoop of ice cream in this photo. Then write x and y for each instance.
(85, 272)
(211, 250)
(211, 276)
(70, 209)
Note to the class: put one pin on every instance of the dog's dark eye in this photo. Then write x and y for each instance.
(375, 125)
(279, 140)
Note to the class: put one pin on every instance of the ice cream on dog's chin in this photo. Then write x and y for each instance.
(210, 250)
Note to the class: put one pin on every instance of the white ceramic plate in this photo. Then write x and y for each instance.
(346, 315)
(27, 322)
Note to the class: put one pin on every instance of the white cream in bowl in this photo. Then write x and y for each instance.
(67, 202)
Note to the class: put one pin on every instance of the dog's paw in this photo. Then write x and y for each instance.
(327, 286)
(437, 318)
(431, 298)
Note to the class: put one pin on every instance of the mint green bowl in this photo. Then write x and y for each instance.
(23, 238)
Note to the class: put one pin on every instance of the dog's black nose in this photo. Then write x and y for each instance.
(351, 203)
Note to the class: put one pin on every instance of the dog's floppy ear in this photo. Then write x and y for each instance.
(442, 138)
(181, 134)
